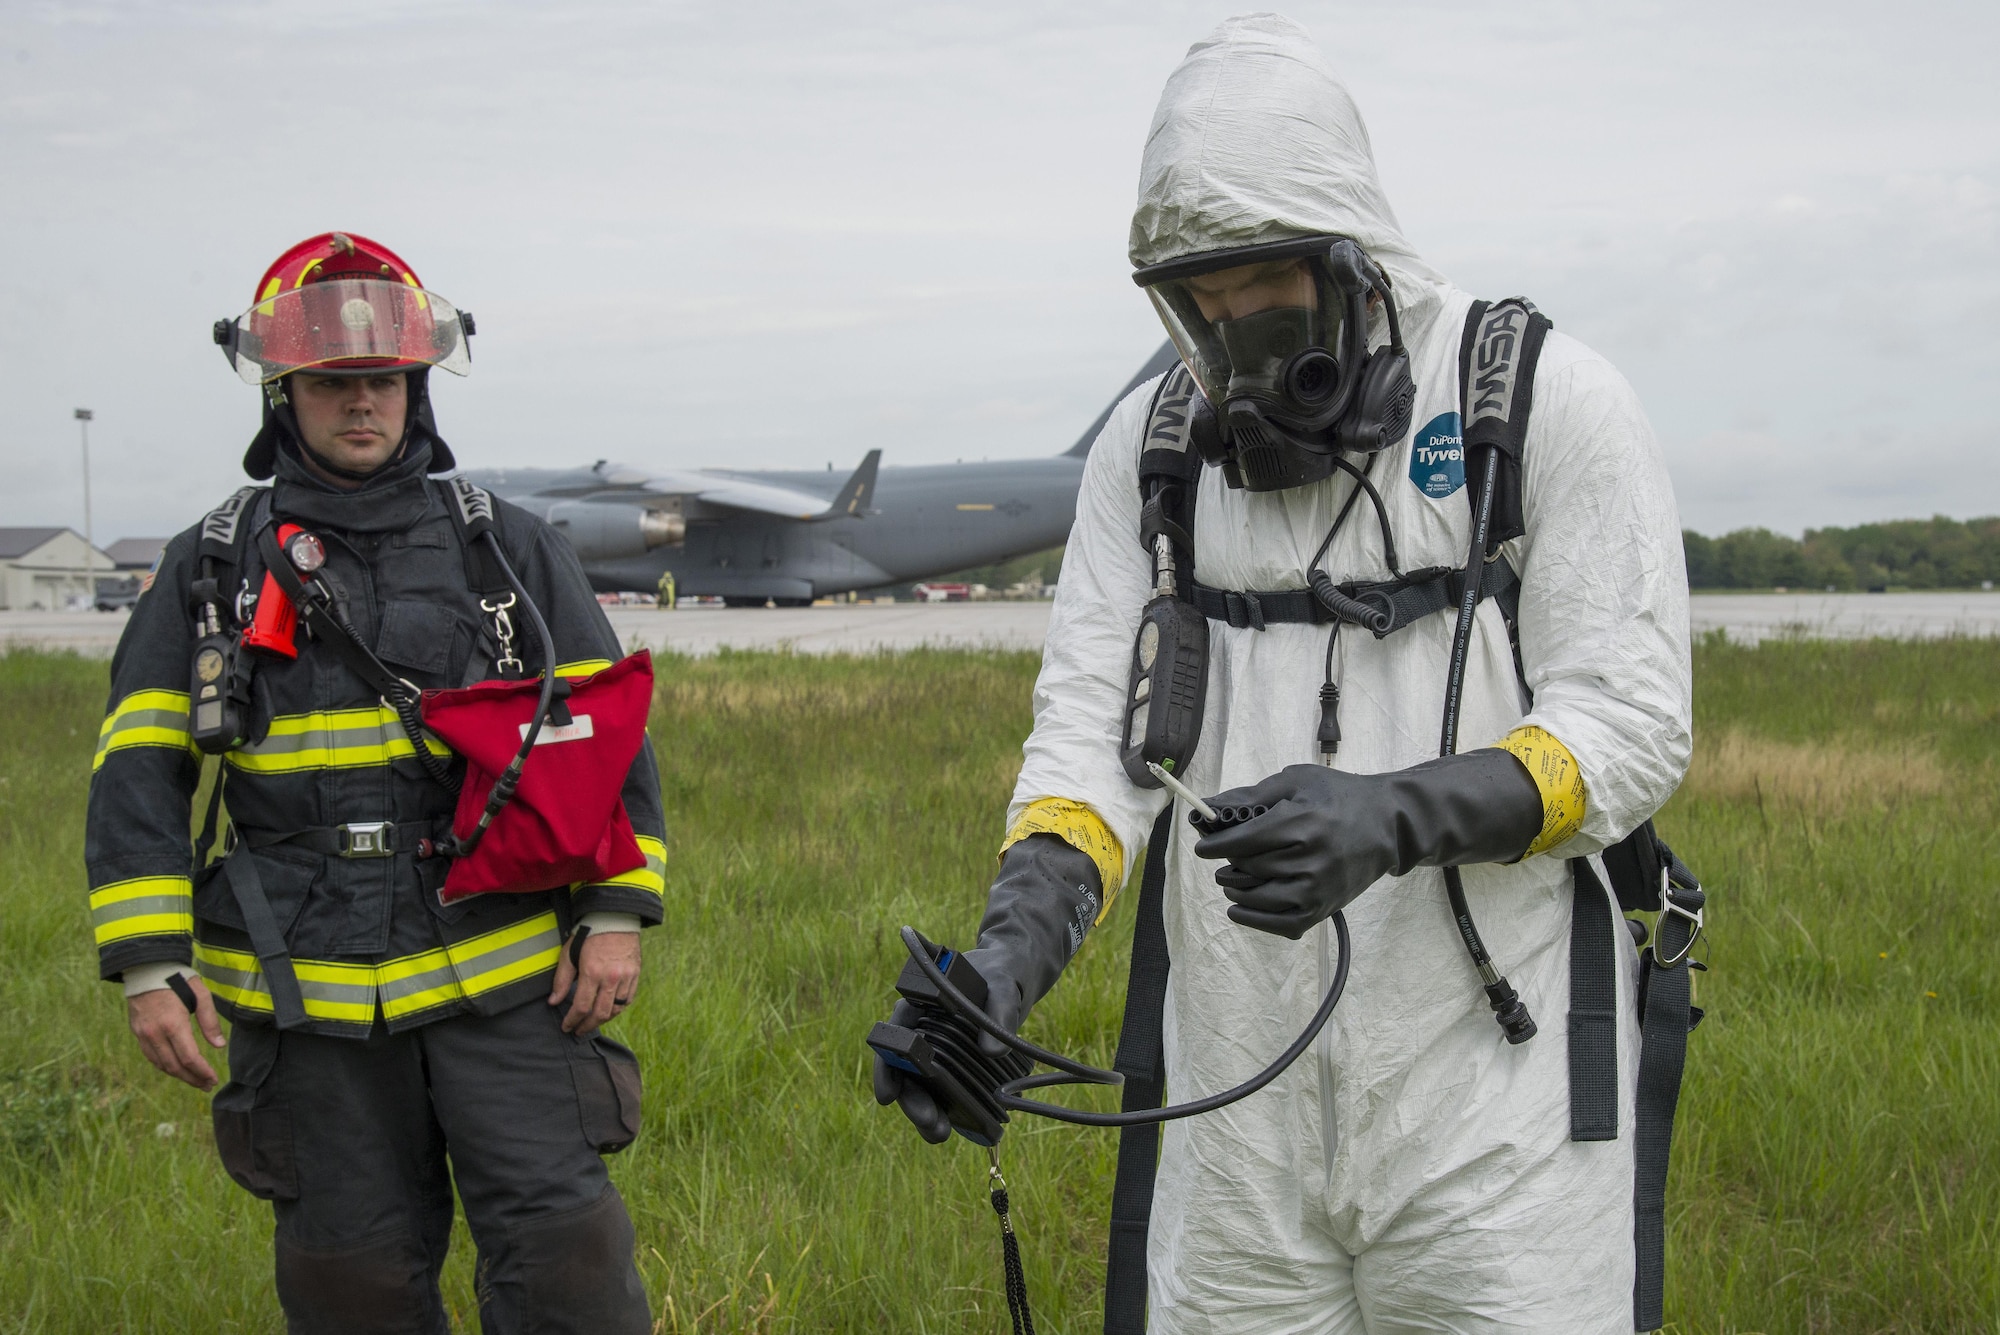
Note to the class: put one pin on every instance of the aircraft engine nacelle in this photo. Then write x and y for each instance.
(608, 532)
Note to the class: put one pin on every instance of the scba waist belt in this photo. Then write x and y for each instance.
(356, 839)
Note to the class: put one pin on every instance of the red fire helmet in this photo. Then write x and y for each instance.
(344, 305)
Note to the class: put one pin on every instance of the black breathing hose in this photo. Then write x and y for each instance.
(1068, 1071)
(1508, 1008)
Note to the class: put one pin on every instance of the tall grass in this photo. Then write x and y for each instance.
(1836, 1165)
(1834, 1168)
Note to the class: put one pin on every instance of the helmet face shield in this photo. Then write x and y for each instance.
(347, 324)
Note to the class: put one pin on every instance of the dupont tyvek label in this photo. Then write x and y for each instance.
(1437, 457)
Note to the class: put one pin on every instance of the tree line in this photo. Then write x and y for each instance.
(1937, 553)
(1934, 553)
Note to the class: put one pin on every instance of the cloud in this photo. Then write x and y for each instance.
(794, 231)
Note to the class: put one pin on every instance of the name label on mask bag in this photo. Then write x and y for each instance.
(575, 730)
(1437, 457)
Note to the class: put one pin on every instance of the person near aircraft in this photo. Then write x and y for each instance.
(1416, 1170)
(385, 1045)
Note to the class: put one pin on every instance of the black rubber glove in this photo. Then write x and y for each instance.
(1330, 835)
(1042, 903)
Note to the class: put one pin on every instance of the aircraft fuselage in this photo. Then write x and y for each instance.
(920, 521)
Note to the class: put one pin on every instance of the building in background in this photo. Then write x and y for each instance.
(43, 569)
(135, 556)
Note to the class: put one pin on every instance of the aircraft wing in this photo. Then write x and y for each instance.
(739, 493)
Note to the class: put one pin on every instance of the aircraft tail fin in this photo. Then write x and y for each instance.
(1157, 364)
(860, 489)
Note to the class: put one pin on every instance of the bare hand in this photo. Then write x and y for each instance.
(160, 1023)
(605, 983)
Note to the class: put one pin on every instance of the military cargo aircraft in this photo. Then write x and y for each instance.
(790, 536)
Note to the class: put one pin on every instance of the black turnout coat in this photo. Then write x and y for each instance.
(363, 933)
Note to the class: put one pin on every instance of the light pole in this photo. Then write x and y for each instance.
(83, 419)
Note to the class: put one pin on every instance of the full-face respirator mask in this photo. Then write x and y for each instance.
(1290, 383)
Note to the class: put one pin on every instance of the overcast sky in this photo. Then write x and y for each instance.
(779, 234)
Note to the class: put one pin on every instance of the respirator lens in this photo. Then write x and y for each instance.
(1265, 329)
(1263, 347)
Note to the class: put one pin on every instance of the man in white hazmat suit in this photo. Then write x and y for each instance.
(1414, 1172)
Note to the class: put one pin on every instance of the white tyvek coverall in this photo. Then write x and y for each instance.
(1414, 1172)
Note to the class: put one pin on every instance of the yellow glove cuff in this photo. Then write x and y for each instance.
(1555, 773)
(1082, 829)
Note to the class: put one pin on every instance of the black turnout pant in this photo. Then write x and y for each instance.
(358, 1142)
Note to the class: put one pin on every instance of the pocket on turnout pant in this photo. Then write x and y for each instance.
(252, 1134)
(607, 1092)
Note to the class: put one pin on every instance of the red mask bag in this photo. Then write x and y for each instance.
(565, 823)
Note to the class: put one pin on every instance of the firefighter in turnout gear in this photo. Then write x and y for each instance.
(386, 1043)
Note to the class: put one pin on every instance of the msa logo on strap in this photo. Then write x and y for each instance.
(1496, 362)
(475, 506)
(219, 529)
(575, 730)
(1169, 428)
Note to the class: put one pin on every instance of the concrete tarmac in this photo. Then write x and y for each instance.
(844, 628)
(869, 627)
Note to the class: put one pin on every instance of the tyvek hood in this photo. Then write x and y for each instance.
(1256, 140)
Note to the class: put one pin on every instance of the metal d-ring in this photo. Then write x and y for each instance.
(1693, 916)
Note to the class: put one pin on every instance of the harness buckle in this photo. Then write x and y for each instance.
(1686, 902)
(1245, 610)
(503, 630)
(367, 839)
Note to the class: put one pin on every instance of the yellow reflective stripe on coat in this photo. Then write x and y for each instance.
(145, 718)
(330, 739)
(583, 667)
(1556, 774)
(344, 993)
(1082, 829)
(652, 878)
(348, 993)
(471, 967)
(142, 906)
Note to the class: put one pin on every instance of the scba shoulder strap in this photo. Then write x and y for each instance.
(474, 515)
(477, 520)
(1497, 355)
(221, 528)
(1498, 351)
(1170, 474)
(226, 533)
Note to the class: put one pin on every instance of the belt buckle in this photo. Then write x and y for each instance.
(366, 839)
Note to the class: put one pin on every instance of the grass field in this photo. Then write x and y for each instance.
(1836, 1168)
